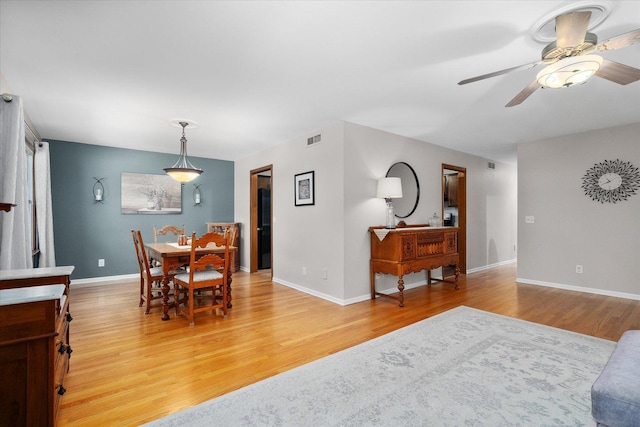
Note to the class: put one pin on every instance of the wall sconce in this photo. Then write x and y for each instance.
(98, 191)
(197, 195)
(389, 188)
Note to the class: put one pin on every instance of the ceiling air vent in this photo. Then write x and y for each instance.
(491, 165)
(314, 140)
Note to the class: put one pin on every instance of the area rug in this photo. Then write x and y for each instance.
(463, 367)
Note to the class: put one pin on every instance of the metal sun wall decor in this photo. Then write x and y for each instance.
(611, 181)
(144, 193)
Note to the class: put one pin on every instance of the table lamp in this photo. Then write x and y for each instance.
(389, 188)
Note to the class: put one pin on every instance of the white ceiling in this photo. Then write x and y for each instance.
(255, 74)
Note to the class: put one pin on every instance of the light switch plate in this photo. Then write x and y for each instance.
(529, 219)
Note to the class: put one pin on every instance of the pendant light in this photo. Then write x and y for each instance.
(183, 170)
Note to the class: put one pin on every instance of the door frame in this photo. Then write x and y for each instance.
(462, 211)
(253, 217)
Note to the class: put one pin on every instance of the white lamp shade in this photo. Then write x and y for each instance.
(389, 188)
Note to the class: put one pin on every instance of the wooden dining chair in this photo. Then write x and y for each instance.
(163, 231)
(206, 271)
(176, 231)
(232, 232)
(150, 277)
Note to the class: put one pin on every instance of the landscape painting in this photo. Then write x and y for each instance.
(150, 194)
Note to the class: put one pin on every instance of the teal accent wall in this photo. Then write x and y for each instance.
(85, 231)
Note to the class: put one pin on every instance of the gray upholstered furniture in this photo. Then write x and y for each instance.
(615, 395)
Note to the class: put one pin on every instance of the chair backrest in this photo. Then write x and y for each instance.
(166, 230)
(232, 233)
(208, 261)
(141, 253)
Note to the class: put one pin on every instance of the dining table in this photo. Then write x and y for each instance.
(172, 256)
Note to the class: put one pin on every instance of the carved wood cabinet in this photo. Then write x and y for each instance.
(411, 249)
(234, 227)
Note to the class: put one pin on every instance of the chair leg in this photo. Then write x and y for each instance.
(191, 302)
(141, 291)
(224, 299)
(148, 307)
(177, 291)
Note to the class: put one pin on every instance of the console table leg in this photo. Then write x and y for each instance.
(401, 291)
(372, 278)
(457, 275)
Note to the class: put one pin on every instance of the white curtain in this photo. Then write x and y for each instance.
(15, 225)
(44, 210)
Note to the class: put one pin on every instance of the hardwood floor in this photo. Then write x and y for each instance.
(128, 368)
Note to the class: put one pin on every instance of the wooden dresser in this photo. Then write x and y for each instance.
(411, 249)
(34, 344)
(220, 227)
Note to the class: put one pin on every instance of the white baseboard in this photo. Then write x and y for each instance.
(309, 291)
(490, 266)
(578, 288)
(100, 281)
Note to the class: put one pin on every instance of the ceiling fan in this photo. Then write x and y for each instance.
(571, 60)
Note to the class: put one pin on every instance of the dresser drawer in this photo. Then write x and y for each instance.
(62, 347)
(62, 366)
(61, 354)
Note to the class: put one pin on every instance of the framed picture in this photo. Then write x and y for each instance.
(150, 194)
(304, 189)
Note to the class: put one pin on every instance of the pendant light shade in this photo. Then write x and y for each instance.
(183, 170)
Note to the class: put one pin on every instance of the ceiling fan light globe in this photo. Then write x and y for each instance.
(580, 77)
(569, 71)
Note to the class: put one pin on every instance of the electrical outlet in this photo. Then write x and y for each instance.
(325, 273)
(304, 271)
(579, 269)
(529, 219)
(101, 262)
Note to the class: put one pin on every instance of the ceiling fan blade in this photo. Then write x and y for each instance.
(618, 73)
(499, 73)
(524, 94)
(571, 28)
(618, 42)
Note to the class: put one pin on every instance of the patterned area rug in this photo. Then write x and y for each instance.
(464, 367)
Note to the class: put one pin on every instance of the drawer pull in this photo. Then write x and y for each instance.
(69, 318)
(61, 349)
(69, 351)
(61, 390)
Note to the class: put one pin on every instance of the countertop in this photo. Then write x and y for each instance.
(35, 273)
(31, 294)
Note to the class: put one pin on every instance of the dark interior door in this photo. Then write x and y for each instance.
(264, 228)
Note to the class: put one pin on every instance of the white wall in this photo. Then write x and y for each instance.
(571, 229)
(303, 236)
(491, 201)
(333, 235)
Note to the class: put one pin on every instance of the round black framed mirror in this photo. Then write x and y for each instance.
(406, 205)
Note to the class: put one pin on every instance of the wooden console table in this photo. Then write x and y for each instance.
(411, 249)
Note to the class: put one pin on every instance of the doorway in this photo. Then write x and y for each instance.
(260, 219)
(454, 208)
